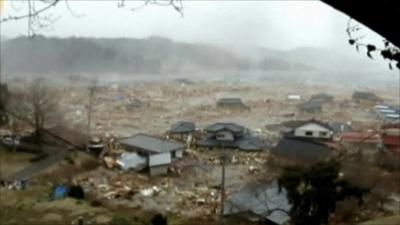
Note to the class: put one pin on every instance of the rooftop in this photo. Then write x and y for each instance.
(233, 127)
(182, 127)
(152, 144)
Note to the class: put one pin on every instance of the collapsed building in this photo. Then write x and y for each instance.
(231, 103)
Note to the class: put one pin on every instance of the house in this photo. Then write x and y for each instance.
(310, 107)
(182, 127)
(159, 152)
(231, 103)
(302, 150)
(230, 135)
(312, 129)
(266, 202)
(360, 96)
(321, 97)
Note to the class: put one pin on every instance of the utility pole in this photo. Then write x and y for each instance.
(89, 112)
(223, 159)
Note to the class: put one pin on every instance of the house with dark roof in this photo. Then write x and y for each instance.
(182, 127)
(321, 97)
(229, 135)
(158, 151)
(310, 106)
(269, 204)
(360, 96)
(231, 103)
(302, 150)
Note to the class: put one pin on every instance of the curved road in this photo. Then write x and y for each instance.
(55, 154)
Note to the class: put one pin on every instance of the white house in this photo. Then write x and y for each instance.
(313, 129)
(159, 152)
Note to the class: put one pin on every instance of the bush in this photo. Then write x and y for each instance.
(122, 220)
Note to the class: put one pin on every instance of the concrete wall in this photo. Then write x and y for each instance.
(179, 154)
(313, 130)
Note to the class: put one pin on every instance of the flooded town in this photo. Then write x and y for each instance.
(135, 131)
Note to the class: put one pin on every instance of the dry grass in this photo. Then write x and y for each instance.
(11, 162)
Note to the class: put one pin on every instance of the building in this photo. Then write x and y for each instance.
(267, 203)
(159, 152)
(182, 128)
(360, 96)
(231, 103)
(313, 129)
(310, 107)
(391, 137)
(321, 97)
(230, 135)
(308, 151)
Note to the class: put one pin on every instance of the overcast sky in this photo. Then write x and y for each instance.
(276, 24)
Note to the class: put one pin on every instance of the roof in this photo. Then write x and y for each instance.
(310, 105)
(233, 127)
(321, 96)
(391, 140)
(325, 125)
(260, 201)
(302, 150)
(182, 127)
(245, 142)
(230, 100)
(365, 137)
(365, 95)
(151, 144)
(293, 123)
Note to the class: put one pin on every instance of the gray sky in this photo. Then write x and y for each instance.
(276, 24)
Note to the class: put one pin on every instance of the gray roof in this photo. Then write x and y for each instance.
(182, 127)
(233, 127)
(310, 106)
(245, 142)
(265, 201)
(151, 144)
(321, 97)
(302, 150)
(230, 100)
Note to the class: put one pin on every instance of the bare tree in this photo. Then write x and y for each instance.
(40, 17)
(39, 104)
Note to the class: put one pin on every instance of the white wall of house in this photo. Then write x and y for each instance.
(224, 135)
(160, 159)
(313, 130)
(179, 154)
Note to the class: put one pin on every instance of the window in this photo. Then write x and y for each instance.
(323, 133)
(309, 133)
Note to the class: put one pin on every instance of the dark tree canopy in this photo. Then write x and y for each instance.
(313, 192)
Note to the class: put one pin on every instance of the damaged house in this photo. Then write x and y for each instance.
(363, 96)
(265, 203)
(231, 103)
(183, 130)
(310, 107)
(158, 152)
(230, 135)
(321, 97)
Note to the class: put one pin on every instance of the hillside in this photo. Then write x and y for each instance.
(157, 55)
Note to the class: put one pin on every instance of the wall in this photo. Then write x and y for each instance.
(158, 170)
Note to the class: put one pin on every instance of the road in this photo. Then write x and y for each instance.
(54, 155)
